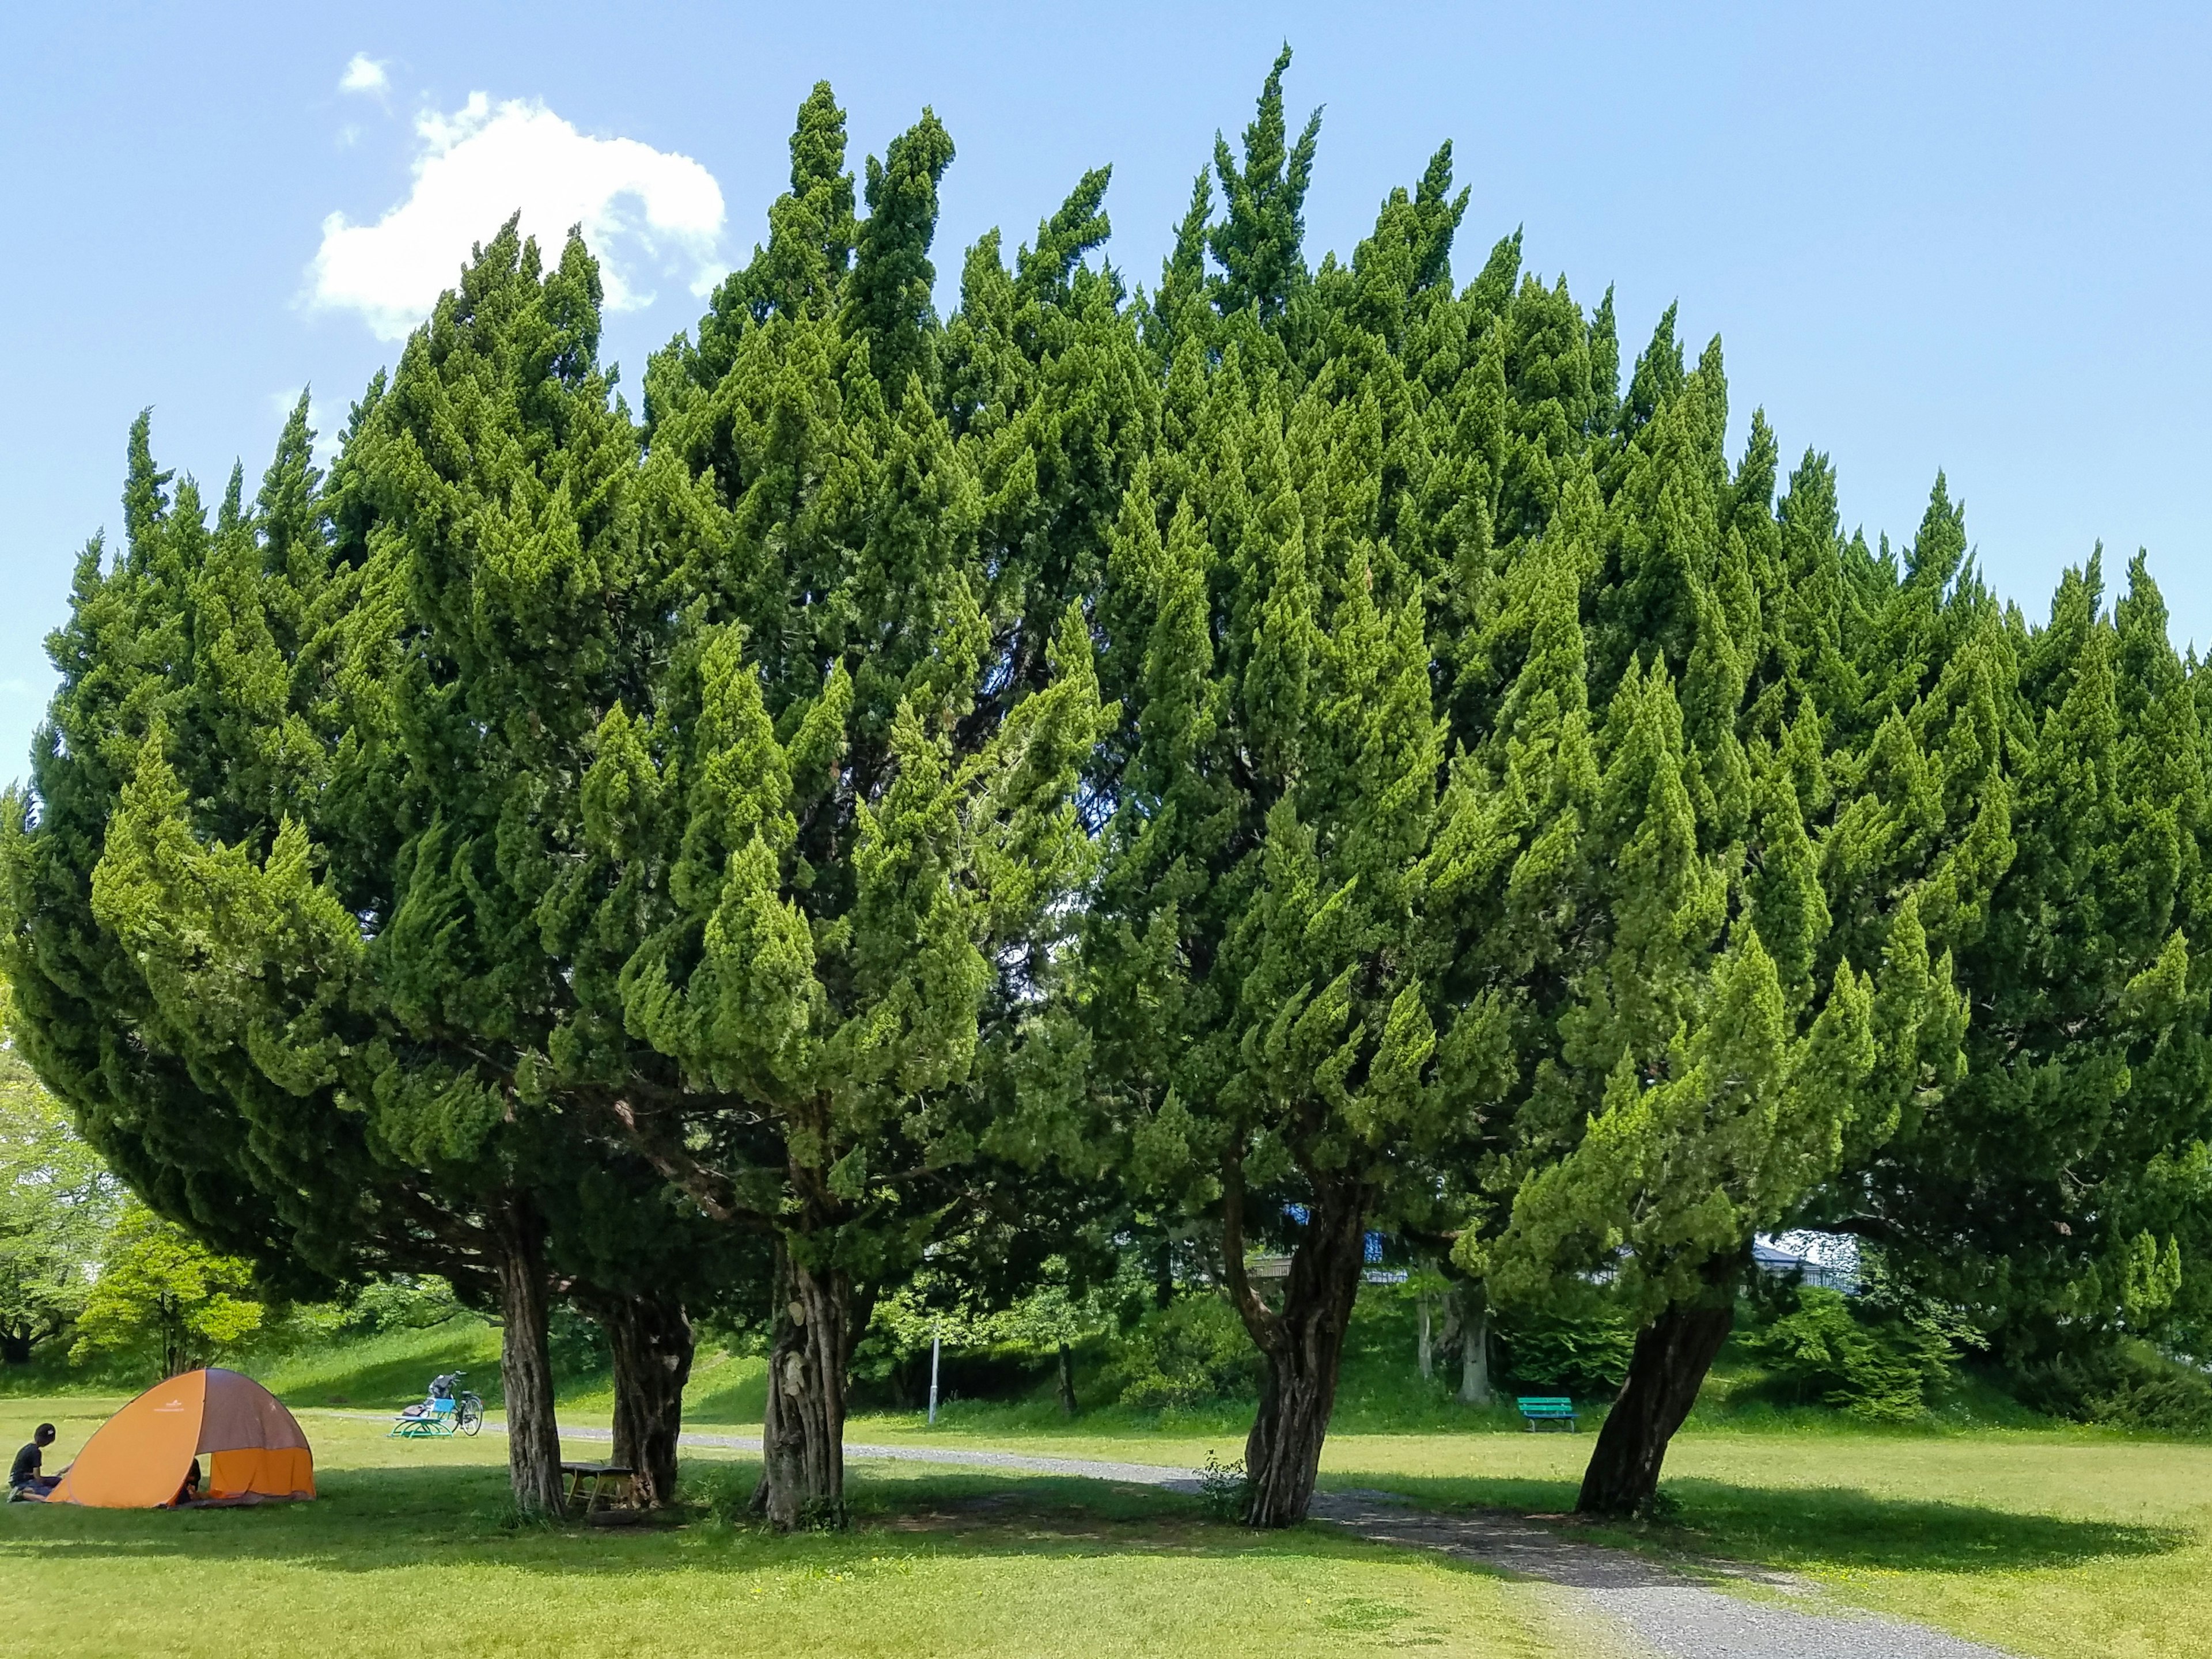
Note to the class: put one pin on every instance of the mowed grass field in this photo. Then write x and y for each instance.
(2054, 1542)
(410, 1551)
(2059, 1543)
(2064, 1544)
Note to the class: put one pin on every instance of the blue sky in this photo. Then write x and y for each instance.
(1970, 237)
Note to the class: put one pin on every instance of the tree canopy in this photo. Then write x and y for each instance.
(1299, 750)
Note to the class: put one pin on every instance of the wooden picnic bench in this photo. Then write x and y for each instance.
(1537, 1410)
(612, 1485)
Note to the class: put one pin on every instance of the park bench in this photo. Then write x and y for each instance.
(1536, 1411)
(612, 1484)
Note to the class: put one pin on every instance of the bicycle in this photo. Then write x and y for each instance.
(447, 1409)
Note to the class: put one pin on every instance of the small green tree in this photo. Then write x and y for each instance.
(57, 1203)
(160, 1297)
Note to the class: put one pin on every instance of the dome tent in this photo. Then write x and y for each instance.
(138, 1458)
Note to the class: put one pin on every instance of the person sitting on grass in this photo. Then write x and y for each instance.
(26, 1476)
(190, 1491)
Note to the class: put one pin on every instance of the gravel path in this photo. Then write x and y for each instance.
(1667, 1611)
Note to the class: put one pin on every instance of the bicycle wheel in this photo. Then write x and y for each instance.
(468, 1411)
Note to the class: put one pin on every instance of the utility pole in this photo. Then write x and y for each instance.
(935, 1342)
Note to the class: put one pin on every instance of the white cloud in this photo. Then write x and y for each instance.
(642, 209)
(363, 74)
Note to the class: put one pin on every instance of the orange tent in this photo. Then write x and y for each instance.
(138, 1459)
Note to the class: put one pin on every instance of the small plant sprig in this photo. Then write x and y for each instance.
(1221, 1488)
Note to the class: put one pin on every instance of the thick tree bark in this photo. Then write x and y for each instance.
(1425, 1347)
(1302, 1345)
(1466, 1328)
(803, 1428)
(1066, 1381)
(1673, 1354)
(651, 1339)
(525, 1366)
(1474, 1357)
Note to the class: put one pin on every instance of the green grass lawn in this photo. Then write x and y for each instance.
(2064, 1543)
(2048, 1540)
(409, 1552)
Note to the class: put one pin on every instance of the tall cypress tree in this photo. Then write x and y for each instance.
(822, 837)
(1247, 949)
(2044, 1197)
(320, 863)
(1635, 895)
(1254, 990)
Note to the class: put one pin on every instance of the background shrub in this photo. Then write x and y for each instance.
(1192, 1353)
(1577, 1344)
(2129, 1384)
(1869, 1359)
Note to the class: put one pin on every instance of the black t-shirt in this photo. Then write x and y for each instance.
(27, 1463)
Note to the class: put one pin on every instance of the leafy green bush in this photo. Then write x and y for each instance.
(991, 1350)
(1872, 1358)
(575, 1343)
(1578, 1345)
(2127, 1384)
(1191, 1352)
(405, 1302)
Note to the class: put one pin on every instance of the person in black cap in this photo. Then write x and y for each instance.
(25, 1476)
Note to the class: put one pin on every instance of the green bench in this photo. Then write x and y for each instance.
(1535, 1413)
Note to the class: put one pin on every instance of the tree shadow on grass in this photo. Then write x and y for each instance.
(1816, 1528)
(378, 1519)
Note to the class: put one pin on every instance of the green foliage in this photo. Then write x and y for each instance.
(1260, 242)
(1302, 749)
(1221, 1488)
(1880, 1362)
(2060, 1195)
(1192, 1353)
(401, 1303)
(575, 1343)
(935, 1305)
(56, 1204)
(2127, 1383)
(164, 1301)
(1575, 1345)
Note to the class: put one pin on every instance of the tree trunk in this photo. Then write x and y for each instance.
(15, 1347)
(651, 1341)
(803, 1428)
(1673, 1354)
(1302, 1345)
(1425, 1352)
(525, 1367)
(1476, 1358)
(1474, 1351)
(1066, 1381)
